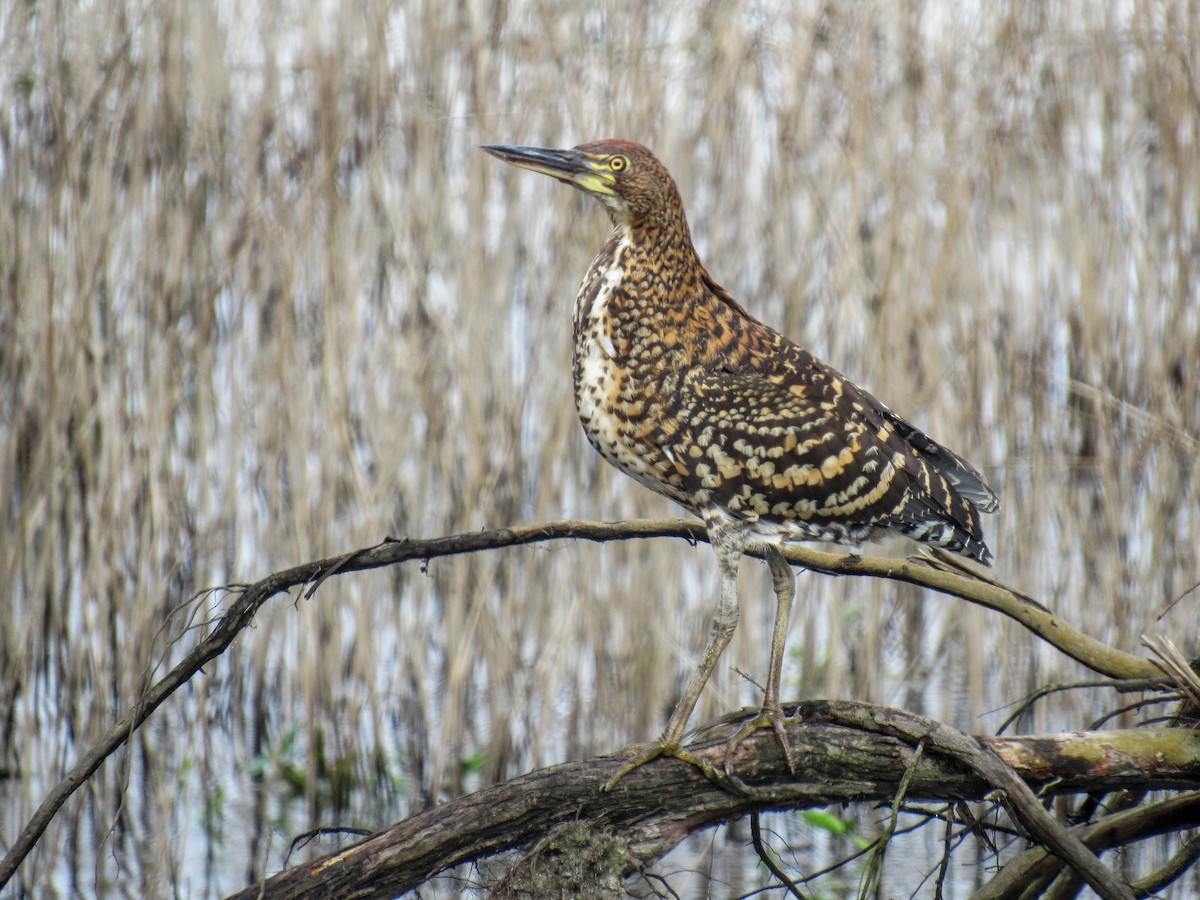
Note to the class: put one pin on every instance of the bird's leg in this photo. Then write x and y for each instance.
(728, 545)
(771, 714)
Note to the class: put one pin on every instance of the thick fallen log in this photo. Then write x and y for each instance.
(847, 751)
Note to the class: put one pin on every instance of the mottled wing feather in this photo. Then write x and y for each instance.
(797, 364)
(785, 439)
(966, 478)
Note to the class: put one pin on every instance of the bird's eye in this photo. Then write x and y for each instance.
(618, 163)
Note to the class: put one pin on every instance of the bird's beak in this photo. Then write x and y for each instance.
(576, 168)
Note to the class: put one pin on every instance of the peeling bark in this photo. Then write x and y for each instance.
(588, 838)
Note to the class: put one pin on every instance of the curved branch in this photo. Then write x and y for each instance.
(1097, 656)
(1175, 814)
(249, 599)
(1018, 796)
(851, 752)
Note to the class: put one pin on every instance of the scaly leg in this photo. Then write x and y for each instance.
(728, 541)
(771, 715)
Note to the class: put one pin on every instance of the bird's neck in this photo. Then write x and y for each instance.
(658, 262)
(663, 234)
(648, 301)
(649, 268)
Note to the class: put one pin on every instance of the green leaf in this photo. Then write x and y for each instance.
(835, 825)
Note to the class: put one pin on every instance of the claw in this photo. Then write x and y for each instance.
(648, 753)
(768, 717)
(651, 752)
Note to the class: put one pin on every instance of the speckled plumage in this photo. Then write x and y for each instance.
(682, 389)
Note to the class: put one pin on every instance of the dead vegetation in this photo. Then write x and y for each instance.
(265, 302)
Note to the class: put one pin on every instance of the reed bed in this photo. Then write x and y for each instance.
(264, 302)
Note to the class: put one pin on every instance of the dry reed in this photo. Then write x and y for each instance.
(264, 302)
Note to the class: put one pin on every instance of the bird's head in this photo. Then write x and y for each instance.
(626, 177)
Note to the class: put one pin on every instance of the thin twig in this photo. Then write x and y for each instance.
(1181, 861)
(1122, 685)
(765, 855)
(300, 841)
(875, 863)
(1174, 665)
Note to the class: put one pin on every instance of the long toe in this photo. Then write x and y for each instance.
(768, 717)
(644, 754)
(650, 752)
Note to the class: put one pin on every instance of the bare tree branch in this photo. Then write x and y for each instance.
(249, 599)
(851, 752)
(1142, 822)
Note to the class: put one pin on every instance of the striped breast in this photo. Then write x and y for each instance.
(622, 410)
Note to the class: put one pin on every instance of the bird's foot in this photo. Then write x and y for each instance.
(645, 753)
(768, 717)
